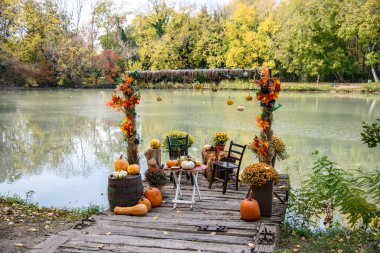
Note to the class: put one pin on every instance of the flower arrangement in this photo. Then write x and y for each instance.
(127, 103)
(259, 174)
(155, 177)
(268, 91)
(277, 146)
(220, 138)
(177, 134)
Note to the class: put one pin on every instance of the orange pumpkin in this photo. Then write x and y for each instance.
(121, 164)
(171, 163)
(249, 210)
(146, 202)
(249, 97)
(133, 169)
(154, 196)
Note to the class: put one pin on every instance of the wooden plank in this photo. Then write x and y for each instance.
(158, 243)
(50, 245)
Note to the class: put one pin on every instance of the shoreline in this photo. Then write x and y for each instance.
(367, 88)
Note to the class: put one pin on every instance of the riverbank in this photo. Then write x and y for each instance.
(24, 224)
(239, 85)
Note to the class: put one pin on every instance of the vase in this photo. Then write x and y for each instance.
(220, 147)
(264, 196)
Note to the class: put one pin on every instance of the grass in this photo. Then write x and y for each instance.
(371, 87)
(334, 239)
(17, 209)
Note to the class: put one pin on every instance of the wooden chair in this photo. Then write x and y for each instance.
(233, 161)
(178, 146)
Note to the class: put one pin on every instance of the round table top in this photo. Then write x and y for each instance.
(177, 168)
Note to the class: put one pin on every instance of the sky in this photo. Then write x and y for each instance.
(133, 6)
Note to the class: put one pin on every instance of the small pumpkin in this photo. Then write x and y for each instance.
(249, 97)
(120, 174)
(121, 164)
(154, 196)
(155, 144)
(146, 202)
(133, 169)
(240, 108)
(249, 210)
(187, 165)
(137, 210)
(230, 101)
(207, 147)
(198, 163)
(159, 98)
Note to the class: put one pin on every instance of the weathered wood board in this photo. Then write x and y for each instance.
(165, 230)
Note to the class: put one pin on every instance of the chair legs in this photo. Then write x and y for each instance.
(225, 181)
(212, 176)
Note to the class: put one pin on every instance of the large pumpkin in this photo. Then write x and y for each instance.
(155, 144)
(249, 210)
(121, 164)
(154, 196)
(133, 169)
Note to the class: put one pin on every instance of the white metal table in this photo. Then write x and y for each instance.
(177, 174)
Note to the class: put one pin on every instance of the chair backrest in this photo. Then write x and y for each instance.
(178, 146)
(235, 153)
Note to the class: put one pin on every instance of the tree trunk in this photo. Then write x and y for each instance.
(374, 74)
(132, 148)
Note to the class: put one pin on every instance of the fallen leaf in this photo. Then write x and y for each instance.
(339, 251)
(11, 223)
(164, 201)
(47, 226)
(100, 246)
(19, 244)
(166, 232)
(47, 222)
(251, 245)
(33, 229)
(295, 250)
(155, 218)
(108, 233)
(298, 245)
(178, 211)
(213, 233)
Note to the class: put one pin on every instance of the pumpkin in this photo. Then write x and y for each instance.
(159, 98)
(207, 147)
(230, 101)
(120, 174)
(154, 196)
(171, 163)
(121, 164)
(187, 165)
(133, 169)
(146, 202)
(155, 144)
(240, 108)
(249, 210)
(198, 163)
(249, 97)
(137, 210)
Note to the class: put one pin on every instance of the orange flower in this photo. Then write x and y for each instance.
(261, 123)
(116, 102)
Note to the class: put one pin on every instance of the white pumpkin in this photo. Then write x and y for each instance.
(207, 147)
(187, 165)
(240, 108)
(119, 174)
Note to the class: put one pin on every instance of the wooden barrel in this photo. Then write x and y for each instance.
(125, 192)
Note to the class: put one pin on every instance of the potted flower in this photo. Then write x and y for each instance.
(174, 135)
(261, 178)
(219, 139)
(155, 177)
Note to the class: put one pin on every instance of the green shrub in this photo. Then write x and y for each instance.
(176, 134)
(155, 177)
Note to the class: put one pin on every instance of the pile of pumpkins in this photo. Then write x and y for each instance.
(185, 162)
(123, 169)
(152, 198)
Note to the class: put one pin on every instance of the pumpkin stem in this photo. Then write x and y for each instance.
(121, 157)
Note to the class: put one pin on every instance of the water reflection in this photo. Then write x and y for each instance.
(64, 143)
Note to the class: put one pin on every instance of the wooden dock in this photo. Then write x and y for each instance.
(164, 230)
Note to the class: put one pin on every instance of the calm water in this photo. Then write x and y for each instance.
(62, 144)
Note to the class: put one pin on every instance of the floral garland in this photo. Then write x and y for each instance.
(268, 92)
(127, 103)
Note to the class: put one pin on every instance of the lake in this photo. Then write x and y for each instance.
(62, 144)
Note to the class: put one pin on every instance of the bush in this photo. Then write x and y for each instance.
(155, 177)
(176, 134)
